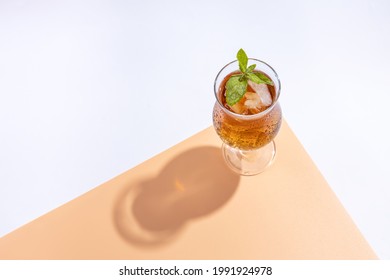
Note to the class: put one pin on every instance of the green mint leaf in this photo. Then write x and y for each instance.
(235, 89)
(264, 79)
(251, 68)
(242, 60)
(241, 77)
(254, 78)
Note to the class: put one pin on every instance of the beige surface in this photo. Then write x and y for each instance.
(185, 204)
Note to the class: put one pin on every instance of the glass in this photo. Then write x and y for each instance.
(248, 147)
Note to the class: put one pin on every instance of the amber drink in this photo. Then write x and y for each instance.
(248, 127)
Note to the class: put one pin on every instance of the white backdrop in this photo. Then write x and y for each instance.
(89, 89)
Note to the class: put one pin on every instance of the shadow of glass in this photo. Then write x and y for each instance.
(192, 185)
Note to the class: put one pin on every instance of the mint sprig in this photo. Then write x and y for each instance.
(237, 84)
(235, 89)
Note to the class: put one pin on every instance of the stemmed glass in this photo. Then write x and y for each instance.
(248, 146)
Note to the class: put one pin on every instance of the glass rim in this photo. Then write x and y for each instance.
(262, 113)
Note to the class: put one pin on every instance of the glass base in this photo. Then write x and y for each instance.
(249, 162)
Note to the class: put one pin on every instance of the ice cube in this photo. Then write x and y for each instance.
(249, 104)
(263, 92)
(238, 108)
(252, 100)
